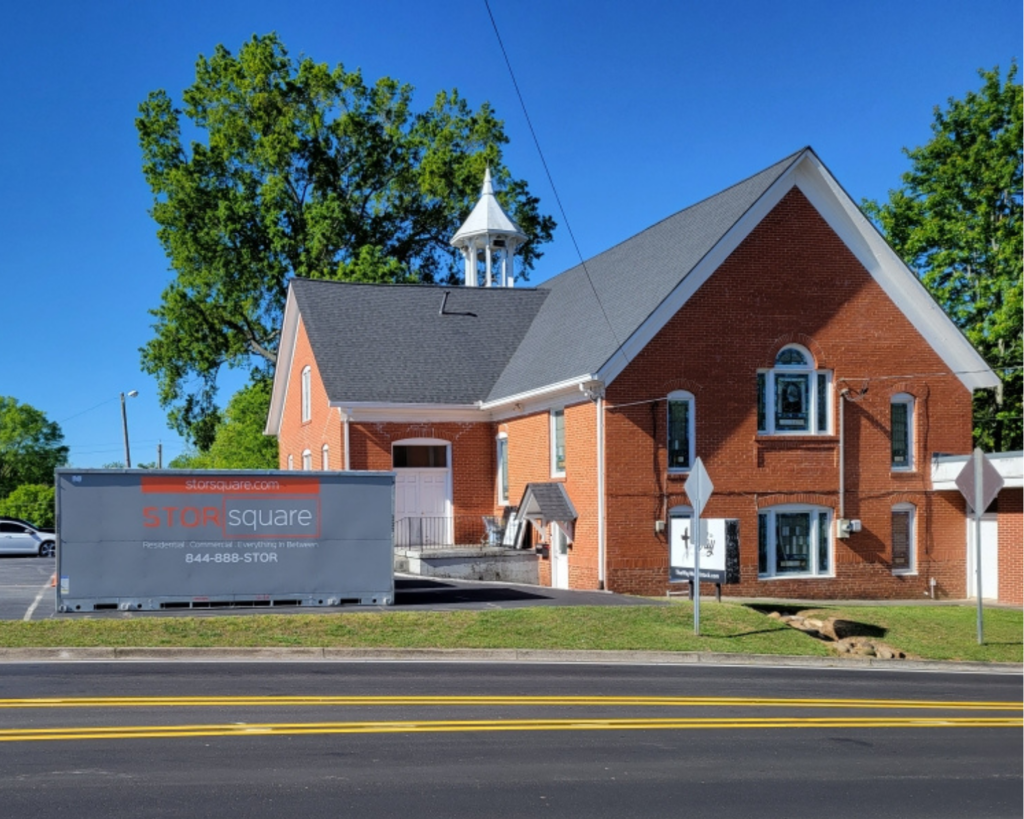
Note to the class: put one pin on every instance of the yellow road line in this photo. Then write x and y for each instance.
(263, 701)
(461, 726)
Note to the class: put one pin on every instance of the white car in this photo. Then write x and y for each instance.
(19, 537)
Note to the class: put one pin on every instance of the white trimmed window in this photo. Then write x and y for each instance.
(558, 443)
(901, 429)
(904, 535)
(681, 431)
(794, 541)
(307, 409)
(307, 460)
(793, 397)
(502, 468)
(291, 463)
(325, 458)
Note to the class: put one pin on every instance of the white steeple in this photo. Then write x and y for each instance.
(488, 235)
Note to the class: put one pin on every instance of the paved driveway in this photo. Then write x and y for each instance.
(23, 578)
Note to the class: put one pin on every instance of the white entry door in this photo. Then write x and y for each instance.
(422, 508)
(989, 558)
(559, 558)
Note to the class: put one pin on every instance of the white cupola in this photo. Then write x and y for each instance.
(487, 237)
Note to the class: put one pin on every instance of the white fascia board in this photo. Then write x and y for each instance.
(283, 365)
(381, 411)
(897, 280)
(567, 386)
(700, 273)
(1009, 465)
(865, 242)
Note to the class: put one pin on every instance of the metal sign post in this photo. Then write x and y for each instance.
(979, 482)
(698, 489)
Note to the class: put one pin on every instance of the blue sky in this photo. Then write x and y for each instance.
(642, 108)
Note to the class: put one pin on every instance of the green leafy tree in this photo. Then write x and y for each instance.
(957, 221)
(33, 502)
(239, 442)
(31, 446)
(304, 170)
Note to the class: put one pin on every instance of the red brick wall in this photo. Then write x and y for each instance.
(529, 447)
(1011, 546)
(324, 426)
(791, 281)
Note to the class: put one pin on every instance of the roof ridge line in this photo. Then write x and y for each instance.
(674, 214)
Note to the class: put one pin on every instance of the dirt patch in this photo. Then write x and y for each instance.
(847, 637)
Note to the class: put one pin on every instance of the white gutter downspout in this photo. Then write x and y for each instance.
(842, 454)
(601, 553)
(346, 415)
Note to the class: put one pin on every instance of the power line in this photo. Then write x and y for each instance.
(551, 181)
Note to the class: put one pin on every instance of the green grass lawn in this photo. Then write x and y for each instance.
(924, 632)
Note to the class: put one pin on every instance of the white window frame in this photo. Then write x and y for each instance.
(325, 458)
(307, 460)
(771, 513)
(291, 463)
(907, 400)
(503, 492)
(306, 382)
(553, 437)
(906, 508)
(682, 397)
(770, 377)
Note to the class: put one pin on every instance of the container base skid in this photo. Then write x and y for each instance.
(77, 605)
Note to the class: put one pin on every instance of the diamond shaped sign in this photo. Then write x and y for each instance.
(698, 487)
(991, 482)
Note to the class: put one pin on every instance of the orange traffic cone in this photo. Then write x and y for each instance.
(53, 581)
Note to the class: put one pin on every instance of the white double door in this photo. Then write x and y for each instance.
(989, 558)
(423, 507)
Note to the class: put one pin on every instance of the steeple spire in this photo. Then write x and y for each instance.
(488, 235)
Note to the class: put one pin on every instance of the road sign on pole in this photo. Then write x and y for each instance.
(698, 489)
(979, 482)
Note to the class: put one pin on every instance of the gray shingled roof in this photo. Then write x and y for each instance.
(388, 343)
(547, 502)
(570, 337)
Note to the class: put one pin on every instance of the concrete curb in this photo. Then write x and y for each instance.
(495, 655)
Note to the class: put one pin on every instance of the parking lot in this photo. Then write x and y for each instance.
(22, 579)
(25, 590)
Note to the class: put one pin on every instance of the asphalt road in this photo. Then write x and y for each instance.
(536, 746)
(24, 579)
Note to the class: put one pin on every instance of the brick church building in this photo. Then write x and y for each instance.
(768, 329)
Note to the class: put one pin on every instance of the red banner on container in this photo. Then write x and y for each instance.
(221, 485)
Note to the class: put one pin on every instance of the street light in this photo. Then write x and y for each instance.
(124, 426)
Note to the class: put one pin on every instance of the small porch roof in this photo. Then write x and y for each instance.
(545, 503)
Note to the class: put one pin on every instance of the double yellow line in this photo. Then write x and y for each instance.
(464, 726)
(503, 701)
(238, 729)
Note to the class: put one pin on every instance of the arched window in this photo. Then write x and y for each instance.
(307, 460)
(904, 552)
(794, 540)
(901, 427)
(793, 396)
(307, 409)
(325, 458)
(682, 426)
